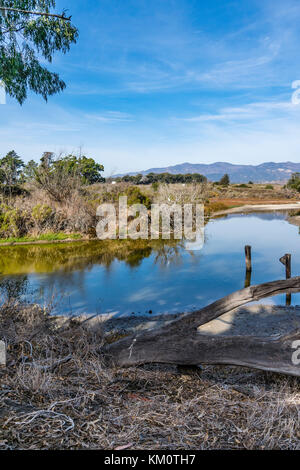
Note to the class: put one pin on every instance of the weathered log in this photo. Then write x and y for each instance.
(180, 342)
(277, 354)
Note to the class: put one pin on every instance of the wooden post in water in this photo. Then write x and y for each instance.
(248, 265)
(286, 261)
(248, 257)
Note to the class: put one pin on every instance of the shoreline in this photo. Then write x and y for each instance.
(258, 208)
(261, 320)
(247, 208)
(48, 242)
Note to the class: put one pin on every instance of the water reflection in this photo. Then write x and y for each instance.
(68, 257)
(13, 287)
(125, 277)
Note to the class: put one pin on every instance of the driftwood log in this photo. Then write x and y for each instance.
(181, 343)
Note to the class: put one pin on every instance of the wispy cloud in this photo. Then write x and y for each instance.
(250, 112)
(110, 117)
(153, 85)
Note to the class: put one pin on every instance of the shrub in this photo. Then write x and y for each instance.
(12, 222)
(294, 182)
(58, 184)
(215, 207)
(135, 196)
(41, 215)
(269, 186)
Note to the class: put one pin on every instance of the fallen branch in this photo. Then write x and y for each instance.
(181, 343)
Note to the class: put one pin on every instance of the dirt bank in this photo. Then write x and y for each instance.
(259, 208)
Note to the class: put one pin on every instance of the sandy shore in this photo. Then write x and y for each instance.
(253, 320)
(259, 208)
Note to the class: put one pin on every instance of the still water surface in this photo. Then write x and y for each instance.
(153, 280)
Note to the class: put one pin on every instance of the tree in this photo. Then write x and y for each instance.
(55, 179)
(61, 177)
(294, 182)
(29, 171)
(11, 168)
(83, 167)
(224, 181)
(28, 30)
(47, 160)
(166, 178)
(10, 172)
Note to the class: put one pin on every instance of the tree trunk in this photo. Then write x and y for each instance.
(181, 343)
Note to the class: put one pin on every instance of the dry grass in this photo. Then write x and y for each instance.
(36, 213)
(56, 393)
(253, 194)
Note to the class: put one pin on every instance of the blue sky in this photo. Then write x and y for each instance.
(158, 82)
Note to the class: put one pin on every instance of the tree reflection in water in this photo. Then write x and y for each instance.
(68, 257)
(13, 288)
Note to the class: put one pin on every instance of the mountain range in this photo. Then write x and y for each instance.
(269, 172)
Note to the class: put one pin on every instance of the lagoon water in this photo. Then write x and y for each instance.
(166, 279)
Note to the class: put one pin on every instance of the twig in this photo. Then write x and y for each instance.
(54, 365)
(47, 413)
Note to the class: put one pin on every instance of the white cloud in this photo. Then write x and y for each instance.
(249, 112)
(110, 116)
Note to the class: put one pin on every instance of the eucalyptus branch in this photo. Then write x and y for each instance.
(14, 28)
(26, 39)
(61, 17)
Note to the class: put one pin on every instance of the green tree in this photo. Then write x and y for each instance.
(225, 180)
(55, 181)
(85, 168)
(61, 177)
(30, 170)
(10, 173)
(294, 181)
(11, 169)
(90, 171)
(29, 31)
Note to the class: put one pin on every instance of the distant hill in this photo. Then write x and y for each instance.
(263, 173)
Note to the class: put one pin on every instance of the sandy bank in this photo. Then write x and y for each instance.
(253, 320)
(259, 208)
